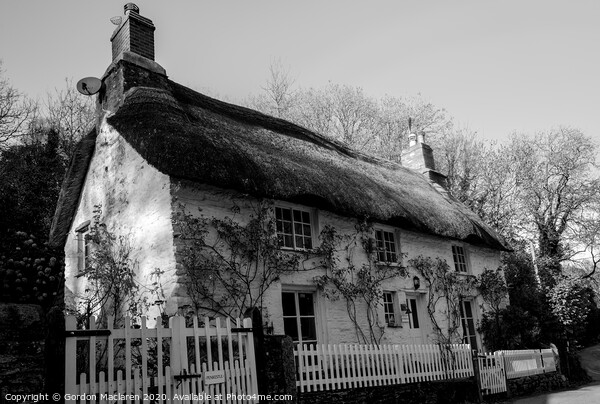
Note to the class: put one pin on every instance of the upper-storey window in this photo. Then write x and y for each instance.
(386, 246)
(294, 228)
(460, 259)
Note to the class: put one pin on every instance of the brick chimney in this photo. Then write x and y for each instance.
(419, 157)
(135, 34)
(133, 62)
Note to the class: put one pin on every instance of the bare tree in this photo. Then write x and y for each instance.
(71, 114)
(278, 94)
(558, 183)
(16, 112)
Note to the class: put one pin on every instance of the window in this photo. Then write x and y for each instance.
(386, 246)
(83, 246)
(460, 259)
(294, 228)
(413, 313)
(389, 309)
(299, 320)
(468, 323)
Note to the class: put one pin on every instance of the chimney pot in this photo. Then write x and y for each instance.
(412, 140)
(131, 7)
(421, 137)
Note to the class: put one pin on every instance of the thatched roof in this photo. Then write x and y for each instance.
(68, 199)
(190, 136)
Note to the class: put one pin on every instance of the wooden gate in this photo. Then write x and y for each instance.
(492, 374)
(208, 362)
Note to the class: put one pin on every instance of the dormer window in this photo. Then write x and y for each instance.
(460, 259)
(386, 246)
(294, 228)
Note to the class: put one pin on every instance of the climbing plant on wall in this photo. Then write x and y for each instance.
(445, 290)
(111, 287)
(231, 262)
(359, 285)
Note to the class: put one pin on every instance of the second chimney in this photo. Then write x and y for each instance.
(419, 157)
(134, 34)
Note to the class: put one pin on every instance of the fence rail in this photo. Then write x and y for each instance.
(528, 362)
(340, 366)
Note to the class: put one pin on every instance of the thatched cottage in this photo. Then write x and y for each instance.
(160, 149)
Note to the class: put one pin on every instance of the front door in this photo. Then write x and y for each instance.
(416, 318)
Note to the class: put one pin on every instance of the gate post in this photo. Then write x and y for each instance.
(508, 392)
(477, 374)
(178, 359)
(259, 348)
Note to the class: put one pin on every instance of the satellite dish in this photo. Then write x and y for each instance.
(117, 20)
(89, 85)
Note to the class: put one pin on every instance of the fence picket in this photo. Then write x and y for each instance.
(92, 353)
(144, 354)
(120, 385)
(159, 361)
(127, 372)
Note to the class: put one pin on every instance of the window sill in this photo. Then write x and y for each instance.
(388, 264)
(298, 250)
(79, 274)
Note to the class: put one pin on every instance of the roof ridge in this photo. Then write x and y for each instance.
(283, 126)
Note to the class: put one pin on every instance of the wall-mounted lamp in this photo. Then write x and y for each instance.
(416, 282)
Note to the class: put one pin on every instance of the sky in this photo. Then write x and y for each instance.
(496, 67)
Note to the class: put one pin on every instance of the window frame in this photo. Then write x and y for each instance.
(459, 251)
(413, 312)
(83, 247)
(395, 312)
(396, 243)
(298, 316)
(312, 222)
(464, 321)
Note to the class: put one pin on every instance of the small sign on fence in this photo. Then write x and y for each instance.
(214, 377)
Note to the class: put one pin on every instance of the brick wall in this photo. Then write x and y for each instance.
(135, 34)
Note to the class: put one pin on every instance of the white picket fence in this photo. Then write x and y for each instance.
(341, 366)
(528, 362)
(162, 365)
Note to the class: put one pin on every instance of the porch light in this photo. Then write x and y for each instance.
(416, 282)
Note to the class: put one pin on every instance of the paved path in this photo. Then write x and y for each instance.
(588, 394)
(590, 361)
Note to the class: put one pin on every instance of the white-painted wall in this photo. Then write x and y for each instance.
(136, 203)
(334, 325)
